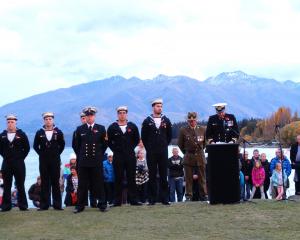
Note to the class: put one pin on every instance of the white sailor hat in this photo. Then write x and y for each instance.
(11, 117)
(220, 107)
(157, 101)
(48, 114)
(90, 111)
(73, 156)
(122, 108)
(110, 153)
(82, 114)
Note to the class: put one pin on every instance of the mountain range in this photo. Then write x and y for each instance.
(247, 96)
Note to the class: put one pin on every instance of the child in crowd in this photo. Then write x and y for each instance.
(278, 180)
(14, 197)
(109, 178)
(67, 167)
(71, 189)
(258, 178)
(34, 192)
(142, 176)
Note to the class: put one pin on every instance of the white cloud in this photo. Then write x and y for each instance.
(55, 43)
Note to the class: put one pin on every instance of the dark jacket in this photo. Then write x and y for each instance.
(266, 166)
(156, 140)
(222, 130)
(293, 152)
(175, 167)
(34, 192)
(89, 146)
(49, 150)
(247, 167)
(16, 150)
(120, 142)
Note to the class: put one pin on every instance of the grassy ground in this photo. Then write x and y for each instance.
(263, 220)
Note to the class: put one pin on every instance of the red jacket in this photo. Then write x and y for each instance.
(258, 176)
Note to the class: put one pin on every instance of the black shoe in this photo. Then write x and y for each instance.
(188, 199)
(103, 208)
(58, 209)
(24, 209)
(204, 199)
(5, 209)
(151, 204)
(78, 210)
(136, 204)
(166, 203)
(42, 209)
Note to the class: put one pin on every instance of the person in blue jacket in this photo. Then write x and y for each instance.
(285, 163)
(287, 168)
(109, 178)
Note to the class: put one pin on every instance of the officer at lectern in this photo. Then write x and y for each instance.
(222, 127)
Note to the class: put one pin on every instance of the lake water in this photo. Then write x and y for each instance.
(32, 165)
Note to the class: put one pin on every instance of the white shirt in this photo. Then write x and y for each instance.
(157, 121)
(123, 128)
(90, 125)
(11, 136)
(49, 135)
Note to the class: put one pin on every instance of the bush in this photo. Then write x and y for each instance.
(289, 133)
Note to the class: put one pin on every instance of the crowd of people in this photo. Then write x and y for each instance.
(259, 177)
(137, 169)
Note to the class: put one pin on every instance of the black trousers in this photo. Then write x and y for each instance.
(15, 169)
(125, 165)
(266, 187)
(142, 192)
(297, 184)
(50, 174)
(158, 161)
(109, 192)
(90, 177)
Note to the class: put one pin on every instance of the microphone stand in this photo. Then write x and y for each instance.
(244, 151)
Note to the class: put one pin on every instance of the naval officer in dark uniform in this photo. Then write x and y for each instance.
(89, 145)
(123, 137)
(49, 143)
(156, 136)
(14, 148)
(222, 127)
(93, 201)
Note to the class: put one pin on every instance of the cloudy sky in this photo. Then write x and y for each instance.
(49, 44)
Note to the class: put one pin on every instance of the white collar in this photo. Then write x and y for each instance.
(90, 125)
